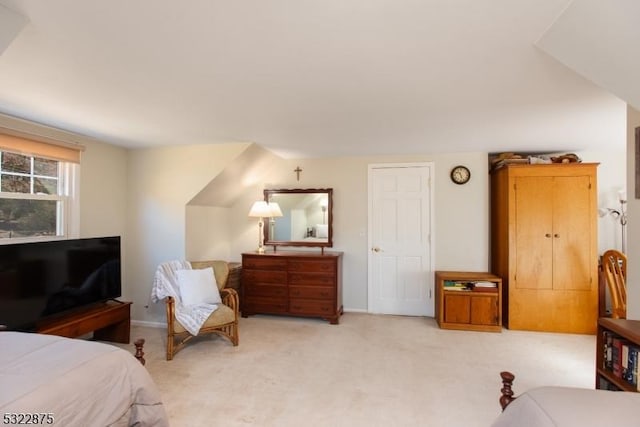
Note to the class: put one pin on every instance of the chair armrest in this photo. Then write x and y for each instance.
(230, 299)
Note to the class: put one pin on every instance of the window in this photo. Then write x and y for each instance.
(38, 187)
(31, 198)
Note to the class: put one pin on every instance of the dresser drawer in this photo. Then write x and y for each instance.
(313, 265)
(264, 263)
(311, 279)
(311, 292)
(262, 290)
(263, 276)
(265, 305)
(314, 307)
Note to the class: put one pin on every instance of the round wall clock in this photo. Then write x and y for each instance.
(460, 174)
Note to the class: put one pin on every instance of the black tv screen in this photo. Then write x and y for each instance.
(42, 279)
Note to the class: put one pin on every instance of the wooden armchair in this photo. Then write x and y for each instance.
(614, 265)
(223, 321)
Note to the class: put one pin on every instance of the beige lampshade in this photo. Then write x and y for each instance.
(275, 210)
(260, 209)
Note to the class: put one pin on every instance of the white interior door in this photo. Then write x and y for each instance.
(400, 233)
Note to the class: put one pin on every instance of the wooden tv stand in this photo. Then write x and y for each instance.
(109, 321)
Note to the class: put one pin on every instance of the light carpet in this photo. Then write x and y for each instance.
(370, 370)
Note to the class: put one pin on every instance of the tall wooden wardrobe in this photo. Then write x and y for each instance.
(544, 245)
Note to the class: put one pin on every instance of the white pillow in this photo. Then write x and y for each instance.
(322, 231)
(198, 286)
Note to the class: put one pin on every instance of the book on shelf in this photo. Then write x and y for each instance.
(485, 284)
(481, 285)
(616, 356)
(607, 360)
(604, 384)
(624, 360)
(631, 374)
(455, 285)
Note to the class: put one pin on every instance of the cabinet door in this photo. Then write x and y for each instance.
(457, 308)
(484, 309)
(572, 233)
(533, 232)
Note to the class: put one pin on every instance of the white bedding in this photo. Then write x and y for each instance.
(78, 382)
(571, 407)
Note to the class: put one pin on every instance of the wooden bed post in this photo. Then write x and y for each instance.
(507, 392)
(139, 343)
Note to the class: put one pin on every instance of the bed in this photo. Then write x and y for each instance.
(566, 407)
(71, 382)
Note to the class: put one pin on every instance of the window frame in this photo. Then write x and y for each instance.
(68, 206)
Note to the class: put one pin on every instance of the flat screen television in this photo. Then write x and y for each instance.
(44, 279)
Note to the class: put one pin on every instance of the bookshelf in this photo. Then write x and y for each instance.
(462, 302)
(613, 335)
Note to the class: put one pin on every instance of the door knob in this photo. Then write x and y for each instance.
(547, 235)
(376, 249)
(556, 235)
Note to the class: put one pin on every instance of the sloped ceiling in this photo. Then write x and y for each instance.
(11, 23)
(305, 78)
(600, 40)
(246, 171)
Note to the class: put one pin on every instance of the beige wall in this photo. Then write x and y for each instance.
(144, 195)
(161, 183)
(633, 228)
(103, 190)
(461, 238)
(103, 178)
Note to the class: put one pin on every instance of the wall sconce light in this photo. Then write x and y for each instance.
(620, 215)
(262, 209)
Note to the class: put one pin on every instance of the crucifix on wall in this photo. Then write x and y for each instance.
(297, 170)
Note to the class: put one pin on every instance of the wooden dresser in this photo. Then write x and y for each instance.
(292, 283)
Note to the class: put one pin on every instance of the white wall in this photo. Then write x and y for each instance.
(612, 175)
(633, 229)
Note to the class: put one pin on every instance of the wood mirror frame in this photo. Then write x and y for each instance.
(303, 215)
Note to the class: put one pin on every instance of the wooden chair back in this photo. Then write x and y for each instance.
(614, 264)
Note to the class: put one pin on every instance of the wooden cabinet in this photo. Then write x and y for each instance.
(544, 245)
(477, 309)
(628, 331)
(294, 283)
(109, 321)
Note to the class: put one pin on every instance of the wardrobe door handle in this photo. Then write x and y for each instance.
(556, 235)
(547, 235)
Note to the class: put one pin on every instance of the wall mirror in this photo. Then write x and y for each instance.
(307, 217)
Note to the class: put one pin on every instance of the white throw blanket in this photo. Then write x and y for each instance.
(165, 284)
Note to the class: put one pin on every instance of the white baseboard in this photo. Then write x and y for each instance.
(148, 324)
(355, 310)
